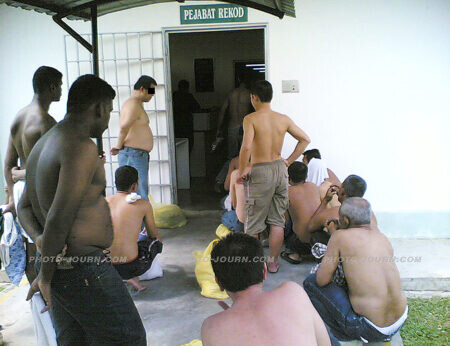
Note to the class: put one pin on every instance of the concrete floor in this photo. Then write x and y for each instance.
(172, 308)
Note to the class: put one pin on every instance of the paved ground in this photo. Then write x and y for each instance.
(172, 308)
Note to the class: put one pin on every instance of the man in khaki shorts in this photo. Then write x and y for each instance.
(266, 176)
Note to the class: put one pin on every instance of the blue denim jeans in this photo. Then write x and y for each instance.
(138, 159)
(333, 305)
(92, 306)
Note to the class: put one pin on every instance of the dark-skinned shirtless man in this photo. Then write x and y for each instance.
(266, 188)
(63, 202)
(374, 307)
(30, 124)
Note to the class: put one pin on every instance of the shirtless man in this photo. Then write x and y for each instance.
(374, 307)
(282, 316)
(135, 140)
(266, 177)
(63, 205)
(238, 106)
(127, 214)
(353, 186)
(30, 124)
(304, 199)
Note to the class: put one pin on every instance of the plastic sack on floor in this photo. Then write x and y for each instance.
(167, 216)
(222, 231)
(195, 342)
(154, 272)
(205, 274)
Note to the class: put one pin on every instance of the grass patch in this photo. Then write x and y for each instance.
(428, 322)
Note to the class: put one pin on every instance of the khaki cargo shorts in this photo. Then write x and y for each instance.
(266, 196)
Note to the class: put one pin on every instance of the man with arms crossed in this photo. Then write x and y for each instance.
(374, 308)
(267, 179)
(282, 316)
(135, 140)
(128, 213)
(30, 124)
(304, 198)
(63, 202)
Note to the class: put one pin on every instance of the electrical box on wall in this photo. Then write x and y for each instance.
(289, 86)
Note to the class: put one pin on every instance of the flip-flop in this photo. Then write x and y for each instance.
(273, 272)
(284, 255)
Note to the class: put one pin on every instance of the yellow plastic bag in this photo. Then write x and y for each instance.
(195, 342)
(222, 231)
(167, 216)
(205, 274)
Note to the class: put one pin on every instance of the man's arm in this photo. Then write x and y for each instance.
(127, 119)
(221, 117)
(234, 164)
(301, 137)
(329, 263)
(149, 222)
(28, 220)
(11, 160)
(233, 190)
(246, 148)
(18, 174)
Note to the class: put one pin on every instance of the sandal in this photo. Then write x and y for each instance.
(285, 255)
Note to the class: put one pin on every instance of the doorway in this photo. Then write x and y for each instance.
(210, 62)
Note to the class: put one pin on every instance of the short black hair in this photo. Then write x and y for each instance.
(183, 84)
(145, 82)
(354, 186)
(298, 172)
(262, 89)
(44, 77)
(87, 90)
(125, 177)
(238, 262)
(312, 154)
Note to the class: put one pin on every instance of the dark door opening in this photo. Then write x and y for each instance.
(205, 67)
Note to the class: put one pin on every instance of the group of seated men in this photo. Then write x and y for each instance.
(366, 303)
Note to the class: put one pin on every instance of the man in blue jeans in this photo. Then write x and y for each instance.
(135, 141)
(374, 307)
(63, 204)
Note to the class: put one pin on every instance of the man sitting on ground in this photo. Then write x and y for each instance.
(304, 199)
(128, 212)
(353, 186)
(374, 308)
(283, 316)
(308, 155)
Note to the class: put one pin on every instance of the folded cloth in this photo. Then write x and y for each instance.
(317, 172)
(319, 250)
(132, 197)
(43, 326)
(12, 249)
(18, 189)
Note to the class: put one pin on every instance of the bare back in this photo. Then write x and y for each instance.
(63, 165)
(269, 130)
(140, 135)
(283, 316)
(304, 199)
(127, 220)
(30, 124)
(239, 106)
(373, 279)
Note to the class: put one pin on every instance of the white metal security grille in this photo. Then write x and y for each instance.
(123, 58)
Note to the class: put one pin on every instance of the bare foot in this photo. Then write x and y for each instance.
(136, 284)
(273, 267)
(295, 256)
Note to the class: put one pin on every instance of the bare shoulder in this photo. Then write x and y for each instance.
(291, 287)
(209, 324)
(144, 204)
(130, 105)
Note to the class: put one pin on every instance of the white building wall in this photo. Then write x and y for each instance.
(374, 79)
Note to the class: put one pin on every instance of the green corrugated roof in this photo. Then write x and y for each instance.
(52, 7)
